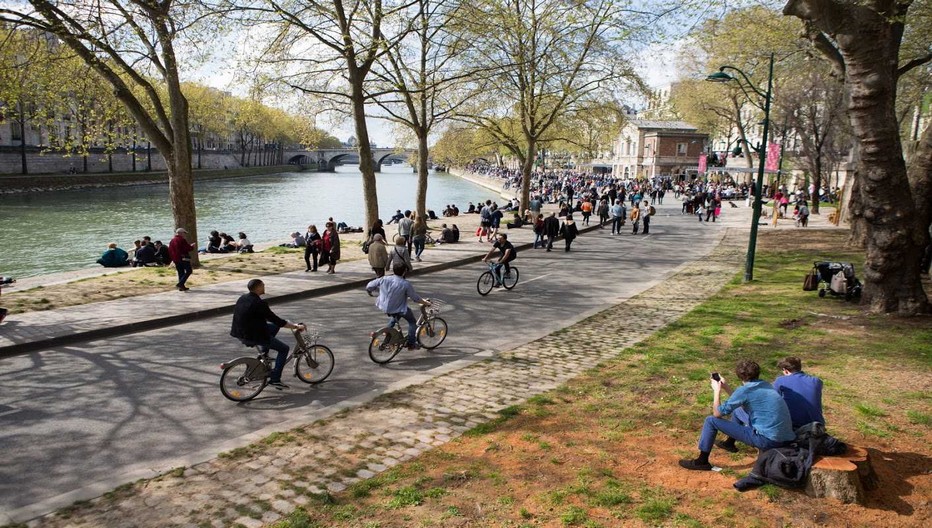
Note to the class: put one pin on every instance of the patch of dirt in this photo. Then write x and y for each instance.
(790, 324)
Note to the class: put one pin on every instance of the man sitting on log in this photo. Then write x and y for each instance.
(770, 425)
(801, 392)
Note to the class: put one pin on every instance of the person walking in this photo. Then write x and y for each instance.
(404, 228)
(331, 245)
(618, 217)
(551, 229)
(645, 216)
(179, 250)
(378, 255)
(419, 236)
(569, 232)
(635, 218)
(399, 254)
(312, 241)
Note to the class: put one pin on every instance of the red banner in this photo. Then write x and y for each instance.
(703, 163)
(773, 157)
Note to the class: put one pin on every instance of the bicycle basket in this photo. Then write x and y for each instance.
(307, 338)
(437, 305)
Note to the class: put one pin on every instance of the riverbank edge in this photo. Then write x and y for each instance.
(65, 277)
(22, 184)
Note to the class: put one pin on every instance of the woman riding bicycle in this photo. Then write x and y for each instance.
(394, 292)
(507, 254)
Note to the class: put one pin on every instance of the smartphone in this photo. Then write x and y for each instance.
(716, 377)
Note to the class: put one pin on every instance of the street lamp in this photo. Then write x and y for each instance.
(721, 76)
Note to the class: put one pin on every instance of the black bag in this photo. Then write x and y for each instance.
(811, 282)
(324, 258)
(365, 247)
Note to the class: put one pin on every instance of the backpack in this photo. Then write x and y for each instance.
(651, 211)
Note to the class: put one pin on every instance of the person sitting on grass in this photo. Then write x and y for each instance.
(161, 254)
(244, 245)
(145, 255)
(114, 257)
(769, 425)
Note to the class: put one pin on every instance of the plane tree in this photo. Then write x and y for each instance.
(863, 40)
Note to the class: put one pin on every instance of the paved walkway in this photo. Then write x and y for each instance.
(252, 487)
(370, 438)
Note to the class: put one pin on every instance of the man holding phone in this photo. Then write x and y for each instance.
(770, 424)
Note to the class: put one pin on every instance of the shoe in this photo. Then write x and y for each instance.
(307, 270)
(415, 346)
(278, 385)
(417, 259)
(731, 448)
(183, 288)
(692, 465)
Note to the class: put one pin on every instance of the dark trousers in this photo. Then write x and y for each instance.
(278, 346)
(184, 269)
(646, 224)
(616, 225)
(569, 242)
(309, 255)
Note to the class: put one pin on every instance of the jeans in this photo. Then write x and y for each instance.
(741, 433)
(539, 238)
(278, 346)
(183, 267)
(419, 243)
(412, 324)
(616, 225)
(497, 271)
(646, 224)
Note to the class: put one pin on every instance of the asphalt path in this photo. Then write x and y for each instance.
(79, 420)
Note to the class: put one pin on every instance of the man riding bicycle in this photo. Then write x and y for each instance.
(507, 254)
(394, 292)
(255, 325)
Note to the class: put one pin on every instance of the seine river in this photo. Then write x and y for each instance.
(51, 232)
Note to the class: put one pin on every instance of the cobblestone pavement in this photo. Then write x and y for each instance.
(257, 485)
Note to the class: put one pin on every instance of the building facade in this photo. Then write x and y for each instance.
(648, 149)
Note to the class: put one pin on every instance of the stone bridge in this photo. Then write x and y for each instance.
(326, 160)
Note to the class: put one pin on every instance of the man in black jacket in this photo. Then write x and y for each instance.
(255, 325)
(551, 229)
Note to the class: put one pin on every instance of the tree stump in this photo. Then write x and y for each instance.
(844, 477)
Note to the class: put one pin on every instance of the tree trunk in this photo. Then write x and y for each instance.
(816, 183)
(920, 180)
(422, 173)
(22, 142)
(366, 163)
(869, 43)
(526, 168)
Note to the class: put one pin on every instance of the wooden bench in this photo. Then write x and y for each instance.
(844, 477)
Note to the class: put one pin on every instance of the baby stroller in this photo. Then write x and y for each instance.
(837, 278)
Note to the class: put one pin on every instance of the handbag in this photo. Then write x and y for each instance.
(365, 247)
(811, 282)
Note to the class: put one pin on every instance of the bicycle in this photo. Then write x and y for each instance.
(244, 378)
(487, 280)
(388, 341)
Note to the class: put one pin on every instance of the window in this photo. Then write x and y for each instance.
(680, 149)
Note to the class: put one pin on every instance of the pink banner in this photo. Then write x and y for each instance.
(773, 157)
(703, 163)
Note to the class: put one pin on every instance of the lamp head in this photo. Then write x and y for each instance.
(719, 77)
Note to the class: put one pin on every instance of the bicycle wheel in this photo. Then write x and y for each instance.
(243, 379)
(315, 365)
(380, 348)
(511, 279)
(485, 283)
(432, 333)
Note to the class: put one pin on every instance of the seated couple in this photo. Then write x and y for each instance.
(764, 416)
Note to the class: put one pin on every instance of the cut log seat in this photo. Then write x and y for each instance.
(844, 477)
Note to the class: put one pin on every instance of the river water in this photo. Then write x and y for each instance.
(58, 231)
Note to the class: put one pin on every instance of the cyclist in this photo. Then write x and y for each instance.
(394, 292)
(507, 254)
(255, 325)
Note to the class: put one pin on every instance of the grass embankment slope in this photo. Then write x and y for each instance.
(602, 450)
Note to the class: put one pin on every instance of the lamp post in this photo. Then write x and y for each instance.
(721, 76)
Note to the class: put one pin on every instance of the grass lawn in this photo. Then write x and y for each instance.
(602, 449)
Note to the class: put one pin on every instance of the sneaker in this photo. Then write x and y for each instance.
(278, 385)
(727, 446)
(693, 465)
(417, 259)
(183, 288)
(414, 346)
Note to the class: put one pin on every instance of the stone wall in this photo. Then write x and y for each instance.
(38, 162)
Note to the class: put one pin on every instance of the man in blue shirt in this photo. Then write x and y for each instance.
(394, 292)
(770, 424)
(801, 392)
